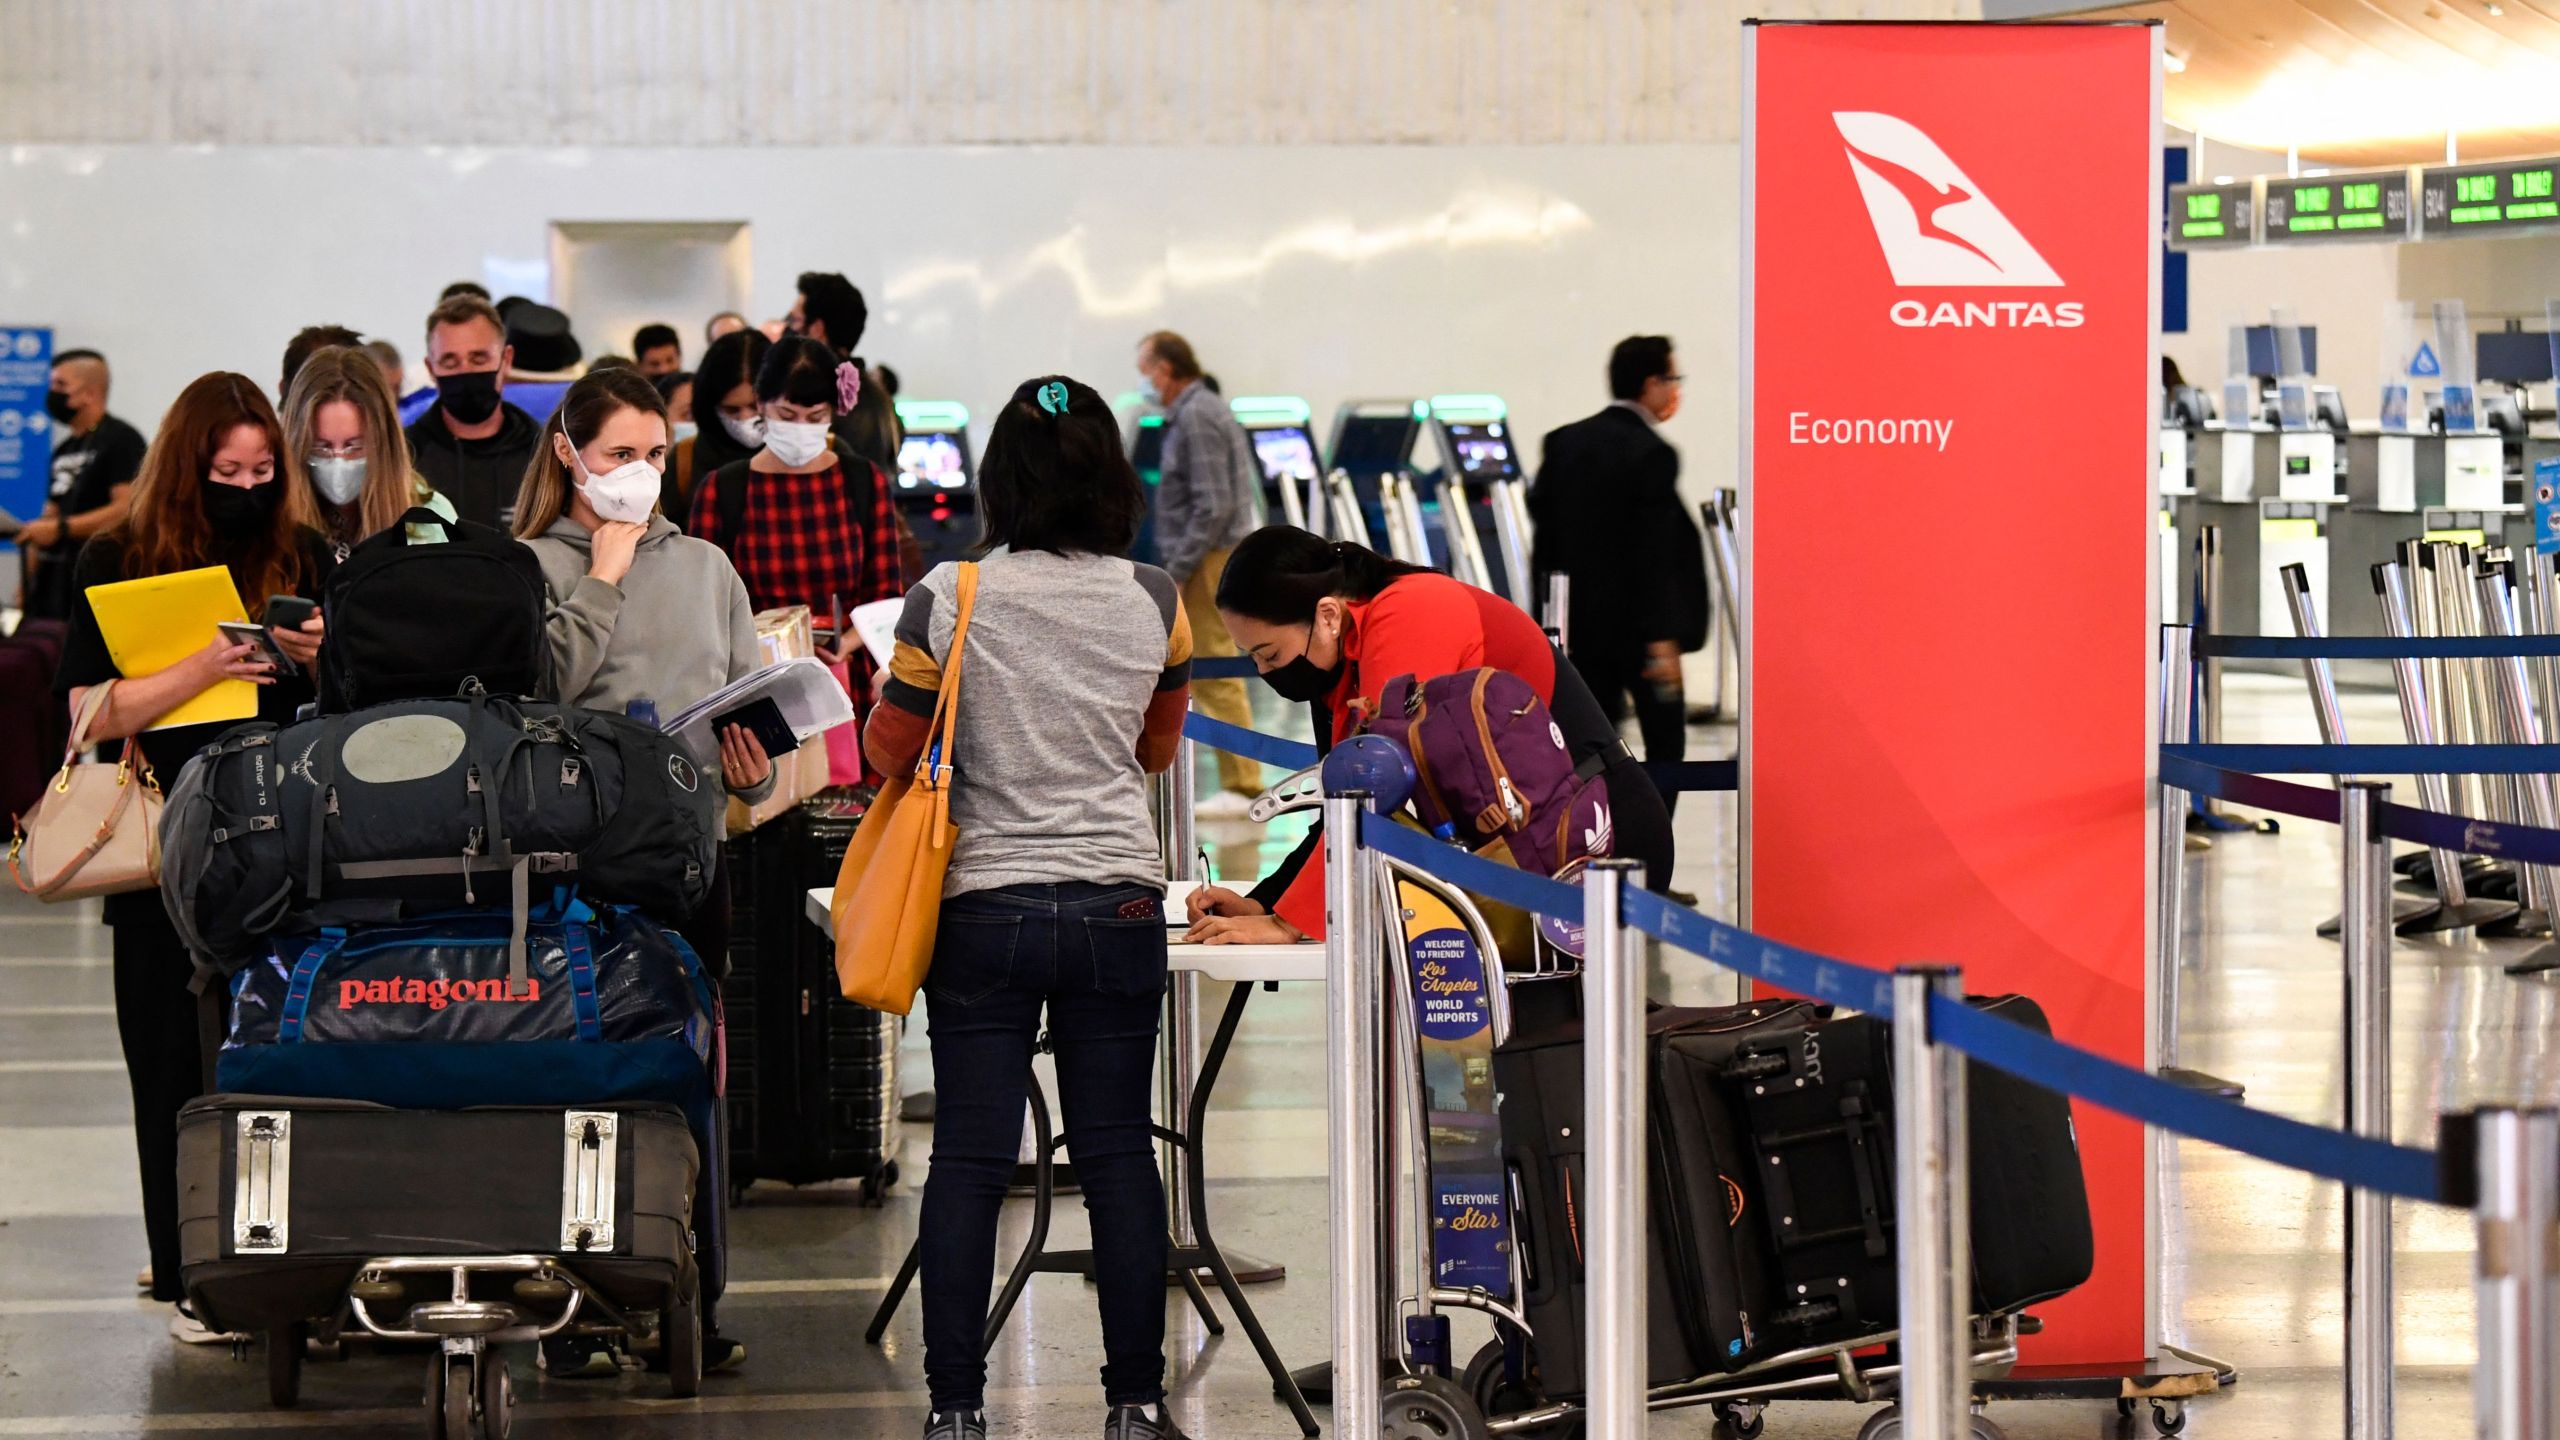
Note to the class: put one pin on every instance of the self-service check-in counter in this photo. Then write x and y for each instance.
(2271, 497)
(2404, 486)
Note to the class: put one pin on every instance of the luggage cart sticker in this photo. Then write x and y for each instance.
(1471, 1226)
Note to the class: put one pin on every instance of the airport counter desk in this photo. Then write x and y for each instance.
(1187, 1090)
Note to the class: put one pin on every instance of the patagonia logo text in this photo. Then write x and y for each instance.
(434, 994)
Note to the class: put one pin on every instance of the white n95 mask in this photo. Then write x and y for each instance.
(627, 493)
(338, 478)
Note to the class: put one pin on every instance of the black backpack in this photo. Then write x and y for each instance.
(416, 622)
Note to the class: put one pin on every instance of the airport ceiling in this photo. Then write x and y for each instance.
(2353, 82)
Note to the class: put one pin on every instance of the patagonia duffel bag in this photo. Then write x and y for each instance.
(424, 805)
(610, 1005)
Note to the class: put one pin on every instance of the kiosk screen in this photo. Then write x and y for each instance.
(1286, 453)
(933, 462)
(1482, 454)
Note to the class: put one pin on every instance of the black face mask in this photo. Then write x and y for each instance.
(470, 397)
(58, 405)
(1303, 679)
(238, 514)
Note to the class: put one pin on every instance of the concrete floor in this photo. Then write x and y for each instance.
(2251, 1273)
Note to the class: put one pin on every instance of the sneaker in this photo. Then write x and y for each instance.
(722, 1353)
(956, 1425)
(579, 1357)
(1225, 805)
(1141, 1422)
(186, 1329)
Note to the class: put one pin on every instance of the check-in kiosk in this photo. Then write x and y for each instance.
(937, 483)
(1282, 430)
(1369, 487)
(1483, 495)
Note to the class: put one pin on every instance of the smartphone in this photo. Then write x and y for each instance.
(288, 612)
(241, 632)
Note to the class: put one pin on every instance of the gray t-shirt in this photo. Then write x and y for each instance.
(1064, 655)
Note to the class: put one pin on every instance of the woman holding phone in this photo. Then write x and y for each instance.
(212, 492)
(645, 621)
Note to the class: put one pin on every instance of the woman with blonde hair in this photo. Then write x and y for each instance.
(343, 440)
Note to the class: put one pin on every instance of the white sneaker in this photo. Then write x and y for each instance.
(186, 1329)
(1225, 805)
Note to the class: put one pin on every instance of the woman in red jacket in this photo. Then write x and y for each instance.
(1330, 623)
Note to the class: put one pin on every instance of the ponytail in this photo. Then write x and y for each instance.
(1279, 573)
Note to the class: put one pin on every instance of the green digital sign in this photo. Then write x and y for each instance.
(2203, 217)
(2339, 207)
(2515, 195)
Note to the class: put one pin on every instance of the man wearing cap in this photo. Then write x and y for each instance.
(471, 444)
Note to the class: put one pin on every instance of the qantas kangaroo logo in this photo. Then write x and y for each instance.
(1935, 224)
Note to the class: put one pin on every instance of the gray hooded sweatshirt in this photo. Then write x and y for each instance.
(676, 629)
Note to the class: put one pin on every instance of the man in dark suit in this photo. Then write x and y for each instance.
(1608, 513)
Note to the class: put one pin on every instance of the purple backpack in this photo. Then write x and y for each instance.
(1494, 768)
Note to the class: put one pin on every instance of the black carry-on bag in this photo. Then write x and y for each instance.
(421, 622)
(1712, 1276)
(472, 1226)
(1818, 1107)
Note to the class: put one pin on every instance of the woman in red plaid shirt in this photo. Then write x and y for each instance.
(803, 523)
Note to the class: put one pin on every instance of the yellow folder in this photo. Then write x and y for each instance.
(153, 623)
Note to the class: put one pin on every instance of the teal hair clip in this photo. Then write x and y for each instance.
(1053, 397)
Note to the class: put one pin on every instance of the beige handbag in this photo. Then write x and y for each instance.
(96, 829)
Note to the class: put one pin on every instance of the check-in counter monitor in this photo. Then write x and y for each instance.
(1374, 439)
(937, 480)
(1483, 506)
(1284, 451)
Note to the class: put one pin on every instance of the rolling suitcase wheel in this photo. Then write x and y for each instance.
(1429, 1407)
(284, 1364)
(680, 1331)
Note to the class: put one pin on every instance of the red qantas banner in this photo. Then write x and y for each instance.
(1952, 279)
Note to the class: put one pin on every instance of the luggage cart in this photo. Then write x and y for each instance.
(1496, 1392)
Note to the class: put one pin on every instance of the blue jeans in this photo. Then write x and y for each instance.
(1094, 957)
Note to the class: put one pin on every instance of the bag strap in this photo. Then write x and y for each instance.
(578, 944)
(729, 500)
(946, 702)
(92, 704)
(306, 973)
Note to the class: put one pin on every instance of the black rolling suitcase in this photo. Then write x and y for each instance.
(813, 1077)
(1819, 1109)
(282, 1201)
(1711, 1278)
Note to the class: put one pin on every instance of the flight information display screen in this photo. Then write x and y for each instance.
(2468, 199)
(1482, 454)
(933, 462)
(1374, 444)
(2340, 207)
(2204, 217)
(1287, 453)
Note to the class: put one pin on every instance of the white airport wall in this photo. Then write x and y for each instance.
(886, 72)
(1332, 272)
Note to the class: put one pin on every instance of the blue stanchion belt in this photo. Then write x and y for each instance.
(2374, 647)
(2436, 831)
(2374, 759)
(1676, 777)
(1251, 744)
(2355, 1160)
(1537, 894)
(1224, 667)
(1833, 982)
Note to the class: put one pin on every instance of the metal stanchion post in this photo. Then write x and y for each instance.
(1559, 616)
(2535, 801)
(2367, 886)
(2177, 706)
(1354, 1003)
(2316, 673)
(1182, 992)
(1933, 1211)
(2515, 1390)
(2456, 909)
(1613, 1088)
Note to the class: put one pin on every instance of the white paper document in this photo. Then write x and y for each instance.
(877, 624)
(806, 692)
